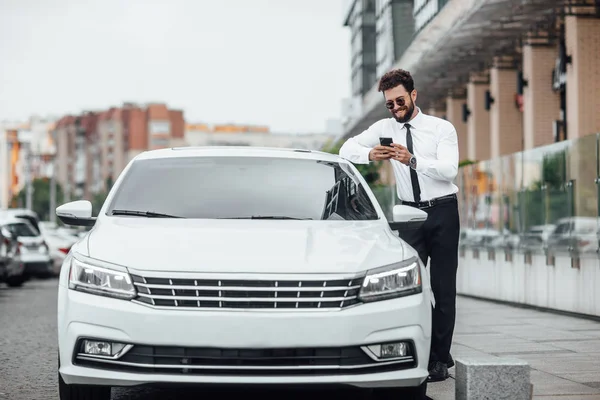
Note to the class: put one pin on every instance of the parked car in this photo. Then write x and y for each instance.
(59, 241)
(242, 266)
(12, 269)
(23, 213)
(33, 250)
(575, 234)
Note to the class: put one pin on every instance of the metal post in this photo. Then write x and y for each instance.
(53, 191)
(28, 174)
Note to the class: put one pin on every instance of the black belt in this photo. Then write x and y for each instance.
(432, 202)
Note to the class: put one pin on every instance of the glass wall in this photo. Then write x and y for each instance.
(542, 201)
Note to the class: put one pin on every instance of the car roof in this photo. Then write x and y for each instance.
(240, 151)
(12, 220)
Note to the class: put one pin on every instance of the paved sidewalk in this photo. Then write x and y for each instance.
(563, 352)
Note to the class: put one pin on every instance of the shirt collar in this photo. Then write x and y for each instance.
(416, 121)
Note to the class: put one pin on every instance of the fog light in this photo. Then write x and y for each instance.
(106, 349)
(387, 351)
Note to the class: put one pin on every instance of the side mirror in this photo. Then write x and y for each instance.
(7, 234)
(76, 213)
(407, 218)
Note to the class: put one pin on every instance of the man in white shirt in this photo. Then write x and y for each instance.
(424, 156)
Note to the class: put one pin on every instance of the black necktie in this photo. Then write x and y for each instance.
(413, 174)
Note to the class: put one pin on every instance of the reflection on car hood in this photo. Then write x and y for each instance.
(244, 246)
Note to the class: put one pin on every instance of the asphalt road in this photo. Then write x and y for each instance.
(28, 354)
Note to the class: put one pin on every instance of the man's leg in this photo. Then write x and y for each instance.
(416, 239)
(442, 243)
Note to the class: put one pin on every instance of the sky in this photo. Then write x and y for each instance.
(281, 63)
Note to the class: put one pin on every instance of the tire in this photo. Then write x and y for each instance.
(15, 281)
(409, 393)
(81, 392)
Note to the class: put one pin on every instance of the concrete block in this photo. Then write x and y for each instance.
(492, 378)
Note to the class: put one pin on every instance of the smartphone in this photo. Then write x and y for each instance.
(385, 141)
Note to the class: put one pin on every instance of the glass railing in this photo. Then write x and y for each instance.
(541, 201)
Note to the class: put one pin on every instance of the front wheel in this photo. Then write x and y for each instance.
(15, 281)
(81, 392)
(408, 393)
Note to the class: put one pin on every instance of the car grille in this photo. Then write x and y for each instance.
(215, 361)
(247, 294)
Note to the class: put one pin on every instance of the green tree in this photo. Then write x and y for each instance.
(547, 199)
(369, 171)
(40, 198)
(98, 199)
(464, 163)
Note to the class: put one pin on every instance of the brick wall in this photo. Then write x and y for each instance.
(454, 115)
(541, 105)
(506, 121)
(582, 36)
(478, 125)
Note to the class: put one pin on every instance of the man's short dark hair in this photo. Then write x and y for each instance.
(394, 78)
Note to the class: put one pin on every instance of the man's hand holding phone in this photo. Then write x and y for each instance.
(383, 151)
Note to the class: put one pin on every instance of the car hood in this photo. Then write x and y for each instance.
(244, 246)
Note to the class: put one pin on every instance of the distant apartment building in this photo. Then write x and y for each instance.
(94, 147)
(201, 134)
(26, 151)
(381, 30)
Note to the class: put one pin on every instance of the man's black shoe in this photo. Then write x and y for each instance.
(438, 371)
(450, 362)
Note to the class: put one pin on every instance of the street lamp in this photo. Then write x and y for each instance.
(53, 177)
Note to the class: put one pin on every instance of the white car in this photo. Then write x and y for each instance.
(59, 243)
(35, 254)
(242, 266)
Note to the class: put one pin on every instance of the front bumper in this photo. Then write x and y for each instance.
(88, 316)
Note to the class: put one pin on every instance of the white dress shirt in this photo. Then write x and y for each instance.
(435, 146)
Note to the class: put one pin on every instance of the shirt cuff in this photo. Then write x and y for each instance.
(364, 155)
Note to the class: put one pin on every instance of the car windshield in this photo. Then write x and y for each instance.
(21, 229)
(242, 187)
(33, 221)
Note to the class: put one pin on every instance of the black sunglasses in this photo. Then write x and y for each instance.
(400, 101)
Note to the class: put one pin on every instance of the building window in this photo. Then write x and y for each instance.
(159, 127)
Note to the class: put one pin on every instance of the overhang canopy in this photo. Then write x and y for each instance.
(465, 37)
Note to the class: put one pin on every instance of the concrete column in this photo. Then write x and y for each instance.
(506, 121)
(454, 115)
(541, 104)
(582, 37)
(436, 112)
(478, 123)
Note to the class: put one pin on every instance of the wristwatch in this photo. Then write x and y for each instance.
(412, 162)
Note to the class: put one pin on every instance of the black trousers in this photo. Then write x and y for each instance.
(437, 240)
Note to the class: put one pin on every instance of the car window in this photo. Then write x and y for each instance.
(21, 229)
(242, 187)
(33, 221)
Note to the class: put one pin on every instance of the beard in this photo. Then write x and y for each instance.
(408, 109)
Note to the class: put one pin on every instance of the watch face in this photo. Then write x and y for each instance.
(413, 161)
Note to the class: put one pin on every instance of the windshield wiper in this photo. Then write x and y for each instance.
(267, 217)
(149, 214)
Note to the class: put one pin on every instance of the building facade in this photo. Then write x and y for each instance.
(94, 147)
(519, 80)
(26, 152)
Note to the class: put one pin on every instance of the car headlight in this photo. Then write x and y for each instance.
(396, 280)
(94, 277)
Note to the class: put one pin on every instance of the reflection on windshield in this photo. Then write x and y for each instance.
(242, 187)
(21, 230)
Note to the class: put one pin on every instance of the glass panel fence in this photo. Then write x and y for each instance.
(542, 201)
